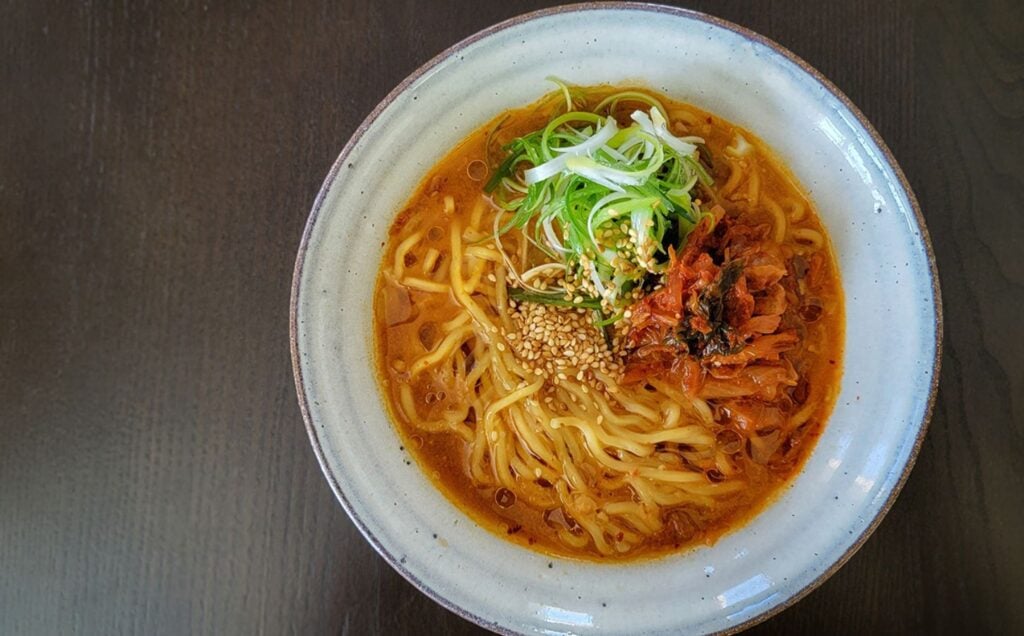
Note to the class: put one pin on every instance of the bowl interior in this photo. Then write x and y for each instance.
(891, 327)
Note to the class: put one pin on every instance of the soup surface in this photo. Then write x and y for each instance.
(609, 324)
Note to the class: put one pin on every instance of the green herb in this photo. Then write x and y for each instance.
(557, 300)
(721, 339)
(602, 200)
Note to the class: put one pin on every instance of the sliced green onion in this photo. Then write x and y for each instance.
(519, 295)
(601, 199)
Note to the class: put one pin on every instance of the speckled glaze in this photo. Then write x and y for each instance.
(893, 323)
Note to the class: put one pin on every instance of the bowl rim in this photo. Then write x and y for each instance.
(744, 32)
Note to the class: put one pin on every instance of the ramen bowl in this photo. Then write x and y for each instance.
(892, 339)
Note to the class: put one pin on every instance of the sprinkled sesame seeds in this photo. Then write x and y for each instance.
(561, 343)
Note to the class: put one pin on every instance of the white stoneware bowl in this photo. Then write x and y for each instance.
(893, 326)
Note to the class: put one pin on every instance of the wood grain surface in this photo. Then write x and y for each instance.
(157, 164)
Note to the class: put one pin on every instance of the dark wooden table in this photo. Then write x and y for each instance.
(157, 164)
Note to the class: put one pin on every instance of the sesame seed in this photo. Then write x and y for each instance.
(559, 343)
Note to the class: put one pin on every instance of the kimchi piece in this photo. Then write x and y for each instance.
(720, 325)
